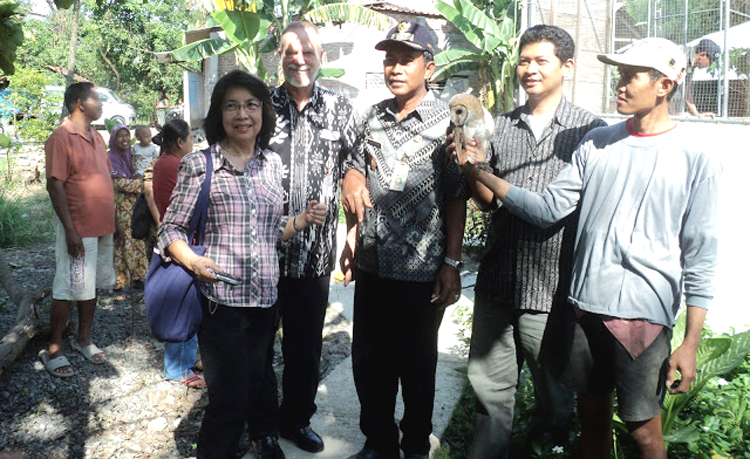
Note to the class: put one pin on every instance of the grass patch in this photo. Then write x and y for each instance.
(459, 434)
(26, 216)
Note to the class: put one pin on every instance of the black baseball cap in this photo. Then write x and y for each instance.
(410, 34)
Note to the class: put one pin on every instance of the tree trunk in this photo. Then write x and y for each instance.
(72, 51)
(114, 69)
(14, 342)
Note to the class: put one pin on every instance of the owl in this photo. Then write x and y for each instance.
(470, 118)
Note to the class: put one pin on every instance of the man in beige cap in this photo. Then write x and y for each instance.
(647, 193)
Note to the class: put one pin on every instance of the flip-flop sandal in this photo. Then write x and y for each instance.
(58, 362)
(88, 351)
(194, 382)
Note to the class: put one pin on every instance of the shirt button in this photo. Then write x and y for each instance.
(252, 232)
(255, 274)
(253, 211)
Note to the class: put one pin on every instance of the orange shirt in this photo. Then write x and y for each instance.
(84, 166)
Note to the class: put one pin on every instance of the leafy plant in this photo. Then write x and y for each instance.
(253, 28)
(11, 35)
(494, 35)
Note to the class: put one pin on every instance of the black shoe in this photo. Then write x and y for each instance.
(305, 438)
(268, 448)
(369, 453)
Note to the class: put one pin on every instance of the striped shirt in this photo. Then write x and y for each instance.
(523, 265)
(244, 227)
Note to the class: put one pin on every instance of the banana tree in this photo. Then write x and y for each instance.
(493, 34)
(253, 28)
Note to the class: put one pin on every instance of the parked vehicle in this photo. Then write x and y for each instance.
(113, 107)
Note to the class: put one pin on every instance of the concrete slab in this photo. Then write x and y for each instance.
(337, 418)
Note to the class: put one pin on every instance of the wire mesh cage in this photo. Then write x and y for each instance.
(715, 35)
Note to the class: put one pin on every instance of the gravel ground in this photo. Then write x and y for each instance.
(121, 409)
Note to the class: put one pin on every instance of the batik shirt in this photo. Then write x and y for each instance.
(313, 145)
(403, 236)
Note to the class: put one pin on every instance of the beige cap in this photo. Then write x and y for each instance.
(654, 53)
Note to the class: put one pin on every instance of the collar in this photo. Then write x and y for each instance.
(423, 109)
(287, 100)
(73, 130)
(561, 116)
(219, 160)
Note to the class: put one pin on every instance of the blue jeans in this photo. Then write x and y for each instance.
(179, 359)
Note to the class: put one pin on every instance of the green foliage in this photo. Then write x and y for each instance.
(24, 220)
(477, 224)
(492, 33)
(254, 28)
(457, 438)
(41, 111)
(117, 42)
(11, 34)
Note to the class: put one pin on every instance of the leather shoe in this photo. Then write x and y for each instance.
(268, 448)
(369, 453)
(305, 438)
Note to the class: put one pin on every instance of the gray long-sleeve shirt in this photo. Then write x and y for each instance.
(647, 225)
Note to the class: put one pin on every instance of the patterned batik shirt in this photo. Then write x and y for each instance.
(523, 265)
(403, 236)
(313, 145)
(244, 225)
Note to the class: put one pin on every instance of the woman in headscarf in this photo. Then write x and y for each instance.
(131, 264)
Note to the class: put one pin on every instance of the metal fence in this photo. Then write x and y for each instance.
(716, 37)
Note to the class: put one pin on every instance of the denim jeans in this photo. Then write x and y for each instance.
(179, 359)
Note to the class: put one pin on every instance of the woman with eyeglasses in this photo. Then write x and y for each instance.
(244, 225)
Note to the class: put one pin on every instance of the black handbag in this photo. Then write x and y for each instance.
(141, 221)
(172, 293)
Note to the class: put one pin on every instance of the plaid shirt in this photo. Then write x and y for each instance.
(245, 223)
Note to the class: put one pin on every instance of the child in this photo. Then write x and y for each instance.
(144, 152)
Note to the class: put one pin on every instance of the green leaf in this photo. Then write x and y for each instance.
(203, 49)
(685, 434)
(454, 68)
(242, 26)
(64, 4)
(330, 73)
(5, 141)
(343, 12)
(454, 54)
(473, 23)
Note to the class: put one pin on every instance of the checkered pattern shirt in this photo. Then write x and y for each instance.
(245, 223)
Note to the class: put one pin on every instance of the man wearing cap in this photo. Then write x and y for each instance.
(407, 249)
(706, 53)
(646, 190)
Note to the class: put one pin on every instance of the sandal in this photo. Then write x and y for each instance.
(51, 365)
(195, 382)
(90, 351)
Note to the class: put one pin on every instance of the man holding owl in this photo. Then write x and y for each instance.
(520, 304)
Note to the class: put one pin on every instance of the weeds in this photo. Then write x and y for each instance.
(24, 219)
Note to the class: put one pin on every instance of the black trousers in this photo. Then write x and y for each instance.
(302, 303)
(395, 339)
(235, 345)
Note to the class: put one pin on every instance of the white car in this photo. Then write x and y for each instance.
(113, 108)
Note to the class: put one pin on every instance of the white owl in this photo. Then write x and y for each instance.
(468, 119)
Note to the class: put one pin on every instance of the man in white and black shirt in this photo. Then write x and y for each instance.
(315, 132)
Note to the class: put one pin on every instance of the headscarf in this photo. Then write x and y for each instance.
(120, 158)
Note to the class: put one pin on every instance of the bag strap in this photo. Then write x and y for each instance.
(200, 213)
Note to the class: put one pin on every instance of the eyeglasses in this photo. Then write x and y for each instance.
(251, 106)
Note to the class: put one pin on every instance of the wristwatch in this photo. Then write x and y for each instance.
(457, 264)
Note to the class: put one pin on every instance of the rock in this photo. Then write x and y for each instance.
(157, 425)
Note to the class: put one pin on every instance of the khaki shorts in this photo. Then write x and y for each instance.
(98, 269)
